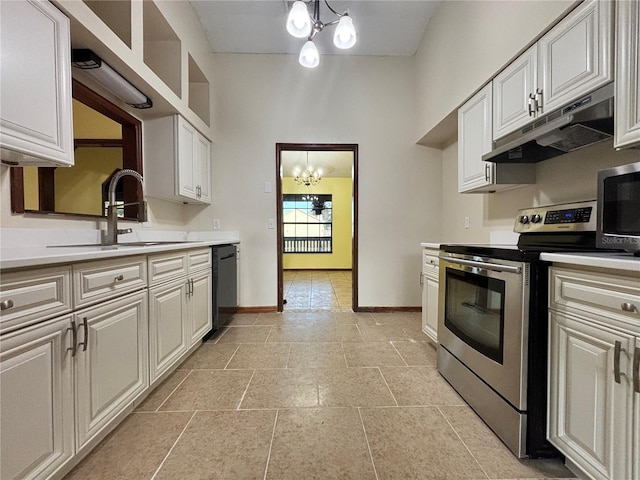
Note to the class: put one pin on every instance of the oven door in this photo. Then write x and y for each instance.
(483, 320)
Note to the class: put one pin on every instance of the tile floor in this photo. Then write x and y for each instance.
(317, 289)
(308, 395)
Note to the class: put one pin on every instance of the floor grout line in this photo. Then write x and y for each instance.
(231, 358)
(173, 391)
(173, 446)
(245, 390)
(401, 356)
(388, 387)
(273, 434)
(366, 438)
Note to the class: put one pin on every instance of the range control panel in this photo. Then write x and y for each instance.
(565, 217)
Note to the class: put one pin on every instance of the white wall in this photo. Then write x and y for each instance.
(265, 99)
(466, 43)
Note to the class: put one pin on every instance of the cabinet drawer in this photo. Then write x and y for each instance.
(430, 262)
(597, 293)
(34, 295)
(99, 281)
(166, 266)
(199, 259)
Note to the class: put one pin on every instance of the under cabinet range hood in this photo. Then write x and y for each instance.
(584, 122)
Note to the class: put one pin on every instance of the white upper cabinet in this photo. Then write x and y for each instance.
(512, 102)
(627, 108)
(178, 159)
(572, 59)
(474, 140)
(35, 74)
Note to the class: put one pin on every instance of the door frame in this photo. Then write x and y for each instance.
(328, 147)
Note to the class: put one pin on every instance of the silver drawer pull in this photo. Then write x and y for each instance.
(119, 278)
(6, 305)
(85, 326)
(636, 370)
(617, 351)
(628, 307)
(74, 338)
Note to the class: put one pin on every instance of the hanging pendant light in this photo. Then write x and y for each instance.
(309, 56)
(300, 24)
(308, 176)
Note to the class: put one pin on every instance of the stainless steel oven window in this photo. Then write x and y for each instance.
(622, 204)
(474, 311)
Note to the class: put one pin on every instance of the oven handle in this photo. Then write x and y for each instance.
(483, 265)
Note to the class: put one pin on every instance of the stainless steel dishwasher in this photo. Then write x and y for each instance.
(225, 280)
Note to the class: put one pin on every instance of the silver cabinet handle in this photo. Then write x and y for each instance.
(636, 370)
(628, 307)
(6, 305)
(85, 326)
(74, 338)
(531, 104)
(617, 351)
(538, 100)
(421, 279)
(119, 278)
(191, 286)
(483, 265)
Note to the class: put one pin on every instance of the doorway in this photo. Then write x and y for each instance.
(304, 151)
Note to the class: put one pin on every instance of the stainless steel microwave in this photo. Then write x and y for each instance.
(619, 208)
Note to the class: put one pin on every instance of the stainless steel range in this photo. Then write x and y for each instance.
(492, 329)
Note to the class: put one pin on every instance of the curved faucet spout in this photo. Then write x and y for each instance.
(112, 209)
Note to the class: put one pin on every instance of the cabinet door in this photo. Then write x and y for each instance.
(590, 414)
(111, 363)
(167, 325)
(187, 180)
(576, 56)
(203, 169)
(474, 140)
(636, 421)
(511, 94)
(627, 109)
(36, 400)
(200, 306)
(35, 74)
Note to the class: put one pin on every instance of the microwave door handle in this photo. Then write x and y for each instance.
(483, 265)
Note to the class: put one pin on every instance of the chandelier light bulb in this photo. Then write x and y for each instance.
(345, 35)
(299, 21)
(309, 56)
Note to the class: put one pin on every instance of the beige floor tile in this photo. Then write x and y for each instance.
(381, 333)
(251, 334)
(296, 318)
(420, 386)
(135, 449)
(316, 355)
(162, 391)
(352, 387)
(417, 443)
(210, 356)
(372, 354)
(229, 445)
(319, 443)
(282, 389)
(209, 390)
(260, 355)
(242, 319)
(352, 318)
(494, 457)
(417, 353)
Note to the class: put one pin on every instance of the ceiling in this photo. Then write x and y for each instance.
(384, 27)
(334, 164)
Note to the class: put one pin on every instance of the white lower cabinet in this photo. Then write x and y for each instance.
(200, 306)
(594, 413)
(429, 283)
(111, 361)
(36, 400)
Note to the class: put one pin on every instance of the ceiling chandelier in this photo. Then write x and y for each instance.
(300, 24)
(308, 176)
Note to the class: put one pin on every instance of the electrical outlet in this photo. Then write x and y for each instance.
(466, 222)
(271, 223)
(216, 224)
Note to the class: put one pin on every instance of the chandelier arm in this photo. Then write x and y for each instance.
(335, 13)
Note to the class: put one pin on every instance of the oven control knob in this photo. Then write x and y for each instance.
(524, 219)
(535, 218)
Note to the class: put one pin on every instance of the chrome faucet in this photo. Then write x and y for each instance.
(111, 237)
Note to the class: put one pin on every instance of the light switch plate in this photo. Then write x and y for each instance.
(216, 224)
(271, 223)
(267, 187)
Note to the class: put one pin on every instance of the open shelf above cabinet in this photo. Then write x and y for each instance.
(116, 15)
(162, 48)
(198, 92)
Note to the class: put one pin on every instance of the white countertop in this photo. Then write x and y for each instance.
(618, 261)
(435, 246)
(24, 247)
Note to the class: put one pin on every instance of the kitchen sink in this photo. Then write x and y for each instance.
(149, 243)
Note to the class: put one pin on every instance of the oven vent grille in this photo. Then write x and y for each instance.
(526, 275)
